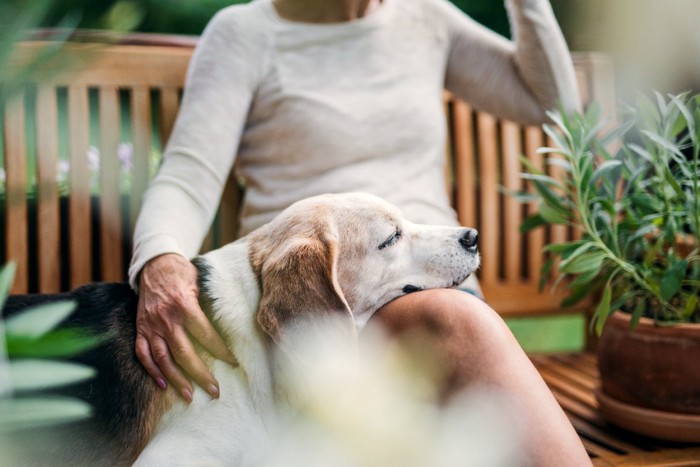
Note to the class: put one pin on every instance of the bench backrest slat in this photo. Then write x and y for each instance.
(79, 212)
(47, 189)
(16, 230)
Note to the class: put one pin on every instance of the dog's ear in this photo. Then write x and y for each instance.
(301, 298)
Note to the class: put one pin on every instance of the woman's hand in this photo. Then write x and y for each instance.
(168, 314)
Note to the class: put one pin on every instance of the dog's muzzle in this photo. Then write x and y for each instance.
(470, 240)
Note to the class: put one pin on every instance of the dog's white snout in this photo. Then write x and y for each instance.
(470, 240)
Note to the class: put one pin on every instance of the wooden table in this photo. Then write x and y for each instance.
(572, 378)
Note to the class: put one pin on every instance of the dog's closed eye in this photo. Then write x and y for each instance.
(393, 238)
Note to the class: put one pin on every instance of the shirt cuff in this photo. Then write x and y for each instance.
(148, 248)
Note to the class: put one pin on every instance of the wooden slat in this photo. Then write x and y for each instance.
(167, 111)
(116, 65)
(534, 139)
(594, 450)
(490, 209)
(558, 233)
(141, 140)
(572, 377)
(48, 218)
(110, 204)
(16, 222)
(688, 457)
(512, 212)
(564, 386)
(79, 215)
(465, 168)
(517, 299)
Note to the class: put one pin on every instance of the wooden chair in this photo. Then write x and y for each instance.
(63, 234)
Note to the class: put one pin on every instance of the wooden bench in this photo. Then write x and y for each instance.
(121, 100)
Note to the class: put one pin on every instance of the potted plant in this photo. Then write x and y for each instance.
(637, 208)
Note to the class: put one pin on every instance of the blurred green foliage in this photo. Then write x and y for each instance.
(29, 345)
(190, 16)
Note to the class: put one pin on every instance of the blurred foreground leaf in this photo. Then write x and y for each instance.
(33, 374)
(34, 412)
(60, 343)
(35, 322)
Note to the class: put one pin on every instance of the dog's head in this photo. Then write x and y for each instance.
(343, 256)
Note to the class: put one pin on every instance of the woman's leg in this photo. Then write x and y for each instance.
(476, 347)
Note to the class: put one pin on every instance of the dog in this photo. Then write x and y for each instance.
(334, 258)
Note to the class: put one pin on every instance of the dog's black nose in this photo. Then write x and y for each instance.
(470, 240)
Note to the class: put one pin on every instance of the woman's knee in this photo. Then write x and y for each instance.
(455, 333)
(443, 313)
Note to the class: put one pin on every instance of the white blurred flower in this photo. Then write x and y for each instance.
(3, 175)
(63, 169)
(377, 409)
(93, 156)
(126, 154)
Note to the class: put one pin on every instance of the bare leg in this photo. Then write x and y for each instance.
(476, 346)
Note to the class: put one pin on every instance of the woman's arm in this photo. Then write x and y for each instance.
(180, 203)
(181, 200)
(519, 79)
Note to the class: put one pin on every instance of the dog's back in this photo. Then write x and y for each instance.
(123, 397)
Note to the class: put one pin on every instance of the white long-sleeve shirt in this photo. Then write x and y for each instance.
(303, 109)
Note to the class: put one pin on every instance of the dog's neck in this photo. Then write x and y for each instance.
(228, 290)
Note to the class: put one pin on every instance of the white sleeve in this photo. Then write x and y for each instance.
(181, 200)
(518, 79)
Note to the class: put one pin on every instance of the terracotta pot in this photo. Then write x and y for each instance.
(656, 367)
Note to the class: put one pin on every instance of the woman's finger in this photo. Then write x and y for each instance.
(143, 353)
(186, 357)
(199, 327)
(165, 362)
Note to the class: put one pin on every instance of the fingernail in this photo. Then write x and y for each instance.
(187, 394)
(214, 391)
(162, 384)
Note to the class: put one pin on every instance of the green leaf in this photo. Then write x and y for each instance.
(561, 163)
(585, 279)
(532, 222)
(545, 273)
(604, 168)
(687, 115)
(638, 313)
(584, 263)
(662, 142)
(671, 282)
(640, 151)
(603, 309)
(671, 180)
(554, 132)
(690, 306)
(27, 412)
(60, 343)
(549, 196)
(7, 274)
(37, 321)
(529, 166)
(542, 178)
(563, 249)
(41, 374)
(552, 215)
